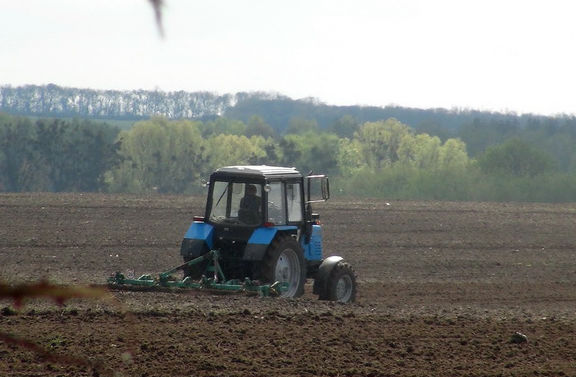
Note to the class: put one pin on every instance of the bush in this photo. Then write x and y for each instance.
(467, 184)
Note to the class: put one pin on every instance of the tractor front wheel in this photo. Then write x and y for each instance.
(284, 263)
(341, 284)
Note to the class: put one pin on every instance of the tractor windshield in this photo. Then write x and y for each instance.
(236, 203)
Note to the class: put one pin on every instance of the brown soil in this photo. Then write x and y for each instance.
(443, 287)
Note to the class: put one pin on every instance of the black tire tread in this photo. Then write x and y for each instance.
(339, 270)
(269, 261)
(196, 271)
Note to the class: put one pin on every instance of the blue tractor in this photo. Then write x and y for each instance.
(259, 222)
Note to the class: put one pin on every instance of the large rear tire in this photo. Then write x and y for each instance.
(195, 271)
(284, 263)
(341, 284)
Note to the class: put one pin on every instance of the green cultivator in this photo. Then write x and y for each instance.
(217, 282)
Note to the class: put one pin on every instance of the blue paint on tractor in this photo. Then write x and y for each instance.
(262, 236)
(201, 231)
(265, 235)
(313, 250)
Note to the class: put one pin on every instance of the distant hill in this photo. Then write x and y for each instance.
(275, 109)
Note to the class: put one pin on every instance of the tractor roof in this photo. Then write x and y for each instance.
(258, 171)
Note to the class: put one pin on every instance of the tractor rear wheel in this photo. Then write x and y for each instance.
(341, 284)
(194, 271)
(284, 263)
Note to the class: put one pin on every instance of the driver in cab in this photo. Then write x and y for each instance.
(250, 206)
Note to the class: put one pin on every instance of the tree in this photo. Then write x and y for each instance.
(349, 157)
(515, 158)
(222, 126)
(258, 127)
(22, 166)
(484, 132)
(311, 151)
(78, 153)
(453, 155)
(301, 126)
(225, 150)
(345, 126)
(55, 155)
(420, 151)
(380, 141)
(159, 155)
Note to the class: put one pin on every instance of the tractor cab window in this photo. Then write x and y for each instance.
(276, 208)
(219, 211)
(236, 203)
(294, 202)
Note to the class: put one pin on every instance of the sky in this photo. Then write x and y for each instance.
(495, 55)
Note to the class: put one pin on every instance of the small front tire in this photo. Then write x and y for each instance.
(341, 284)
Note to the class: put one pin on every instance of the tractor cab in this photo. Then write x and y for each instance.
(242, 198)
(255, 196)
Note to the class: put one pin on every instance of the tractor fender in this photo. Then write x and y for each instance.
(324, 271)
(197, 240)
(258, 243)
(261, 239)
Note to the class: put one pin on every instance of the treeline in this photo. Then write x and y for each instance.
(55, 155)
(56, 101)
(385, 158)
(276, 110)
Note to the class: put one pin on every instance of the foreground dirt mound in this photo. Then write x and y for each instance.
(443, 289)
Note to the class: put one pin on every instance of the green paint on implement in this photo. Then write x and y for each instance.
(217, 282)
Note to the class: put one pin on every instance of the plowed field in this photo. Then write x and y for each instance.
(443, 288)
